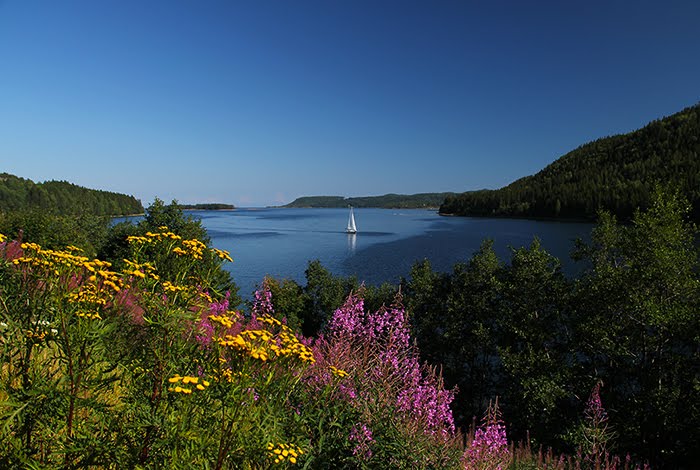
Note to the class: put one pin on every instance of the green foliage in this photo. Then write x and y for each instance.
(324, 293)
(116, 248)
(63, 198)
(86, 231)
(289, 300)
(616, 173)
(533, 339)
(388, 201)
(637, 322)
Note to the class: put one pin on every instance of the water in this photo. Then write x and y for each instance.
(281, 242)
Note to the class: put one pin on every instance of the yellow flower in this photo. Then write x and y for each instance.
(223, 254)
(338, 372)
(281, 451)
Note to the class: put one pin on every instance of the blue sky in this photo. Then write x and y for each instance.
(259, 102)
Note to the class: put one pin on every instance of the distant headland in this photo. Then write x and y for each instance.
(207, 207)
(387, 201)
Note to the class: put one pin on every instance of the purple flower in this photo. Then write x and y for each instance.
(595, 413)
(375, 348)
(262, 305)
(361, 435)
(489, 447)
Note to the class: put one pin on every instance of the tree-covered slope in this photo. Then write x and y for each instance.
(616, 173)
(389, 201)
(63, 198)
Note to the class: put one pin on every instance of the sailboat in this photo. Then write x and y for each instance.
(351, 228)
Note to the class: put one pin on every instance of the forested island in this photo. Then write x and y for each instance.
(62, 197)
(616, 173)
(387, 201)
(211, 206)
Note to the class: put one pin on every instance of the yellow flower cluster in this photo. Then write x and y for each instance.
(90, 315)
(280, 452)
(93, 293)
(35, 255)
(223, 254)
(291, 346)
(338, 372)
(223, 320)
(193, 248)
(91, 298)
(108, 278)
(188, 248)
(205, 297)
(2, 238)
(151, 237)
(261, 344)
(36, 337)
(270, 320)
(228, 375)
(52, 260)
(187, 380)
(254, 342)
(140, 270)
(170, 287)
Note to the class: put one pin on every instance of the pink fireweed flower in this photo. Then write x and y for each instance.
(595, 413)
(361, 435)
(262, 305)
(376, 348)
(489, 447)
(595, 429)
(349, 320)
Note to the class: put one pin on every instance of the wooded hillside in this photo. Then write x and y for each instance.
(63, 198)
(616, 173)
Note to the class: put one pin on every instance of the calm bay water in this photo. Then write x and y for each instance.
(280, 242)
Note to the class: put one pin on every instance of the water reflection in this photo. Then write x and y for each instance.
(352, 242)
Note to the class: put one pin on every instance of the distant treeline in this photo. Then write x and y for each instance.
(388, 201)
(63, 198)
(615, 173)
(207, 207)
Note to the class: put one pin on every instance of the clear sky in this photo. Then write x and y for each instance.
(259, 102)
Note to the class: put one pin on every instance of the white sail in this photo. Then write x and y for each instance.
(351, 228)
